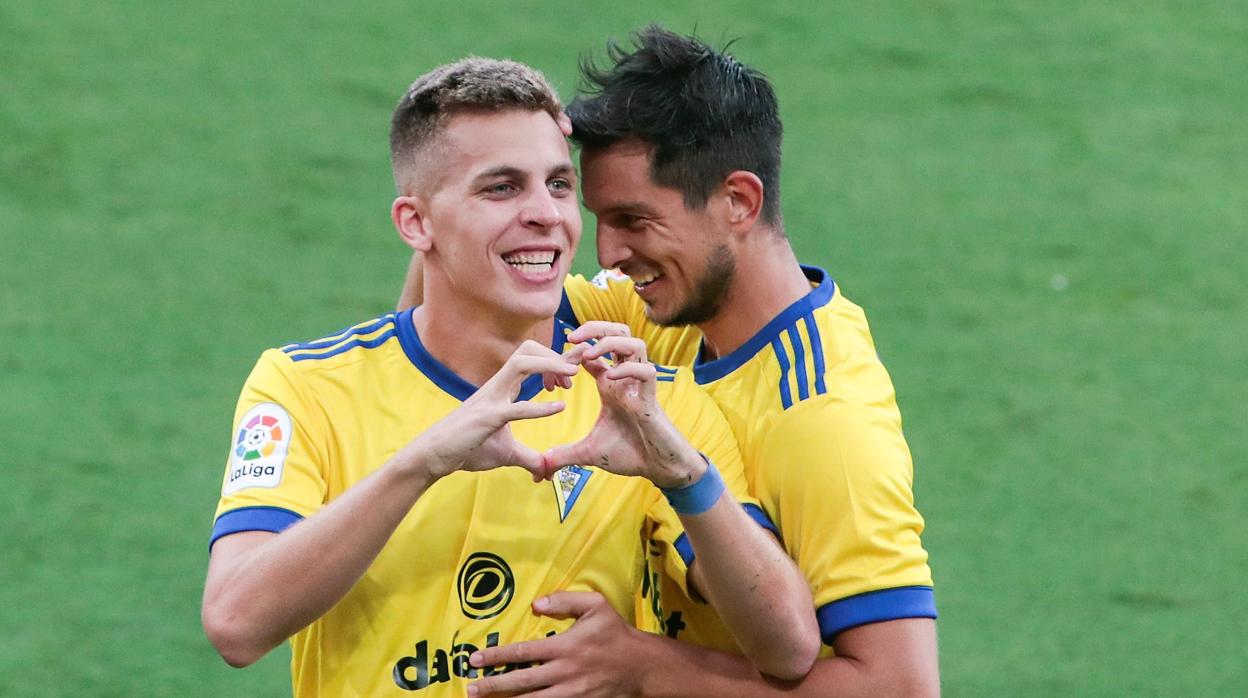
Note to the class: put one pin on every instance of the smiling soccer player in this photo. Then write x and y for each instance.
(365, 512)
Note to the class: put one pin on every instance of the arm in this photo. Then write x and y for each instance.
(601, 655)
(263, 587)
(741, 569)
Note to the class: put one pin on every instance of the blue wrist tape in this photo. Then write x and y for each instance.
(698, 497)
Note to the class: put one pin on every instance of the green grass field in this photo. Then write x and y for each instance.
(1042, 207)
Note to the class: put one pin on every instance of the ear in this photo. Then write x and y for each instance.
(745, 194)
(408, 214)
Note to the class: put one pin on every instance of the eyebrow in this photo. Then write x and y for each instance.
(512, 172)
(630, 207)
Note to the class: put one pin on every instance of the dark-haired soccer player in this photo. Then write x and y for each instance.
(681, 164)
(365, 511)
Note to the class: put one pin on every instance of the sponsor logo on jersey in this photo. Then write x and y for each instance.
(260, 448)
(421, 670)
(568, 483)
(485, 585)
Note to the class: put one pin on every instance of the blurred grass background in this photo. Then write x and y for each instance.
(1042, 206)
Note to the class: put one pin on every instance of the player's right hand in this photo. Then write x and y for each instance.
(476, 436)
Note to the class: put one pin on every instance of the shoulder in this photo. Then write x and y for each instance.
(832, 436)
(367, 334)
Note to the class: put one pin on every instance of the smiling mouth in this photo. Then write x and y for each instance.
(641, 281)
(532, 262)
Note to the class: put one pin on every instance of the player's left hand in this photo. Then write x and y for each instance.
(597, 656)
(632, 436)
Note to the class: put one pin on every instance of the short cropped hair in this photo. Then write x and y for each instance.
(703, 113)
(470, 85)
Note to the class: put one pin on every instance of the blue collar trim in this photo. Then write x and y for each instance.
(817, 298)
(451, 382)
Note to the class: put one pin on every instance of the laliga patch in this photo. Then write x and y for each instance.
(259, 449)
(568, 482)
(604, 277)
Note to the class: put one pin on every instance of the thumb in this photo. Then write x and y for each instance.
(567, 604)
(579, 453)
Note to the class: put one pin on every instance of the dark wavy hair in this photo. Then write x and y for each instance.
(704, 114)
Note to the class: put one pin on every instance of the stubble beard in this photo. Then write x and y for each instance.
(709, 291)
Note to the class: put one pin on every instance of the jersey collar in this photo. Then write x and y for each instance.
(451, 382)
(824, 290)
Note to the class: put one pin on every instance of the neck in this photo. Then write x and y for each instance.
(768, 279)
(446, 326)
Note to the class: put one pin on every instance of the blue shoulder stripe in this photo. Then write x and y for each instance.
(340, 336)
(786, 396)
(799, 362)
(816, 350)
(363, 343)
(874, 607)
(273, 519)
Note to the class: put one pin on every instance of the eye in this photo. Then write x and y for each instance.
(560, 185)
(500, 189)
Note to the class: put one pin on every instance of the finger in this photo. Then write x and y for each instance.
(622, 348)
(565, 124)
(531, 409)
(530, 651)
(598, 329)
(521, 366)
(512, 682)
(568, 604)
(582, 452)
(642, 372)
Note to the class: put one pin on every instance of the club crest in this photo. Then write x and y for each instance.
(568, 482)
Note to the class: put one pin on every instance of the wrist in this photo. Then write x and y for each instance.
(699, 493)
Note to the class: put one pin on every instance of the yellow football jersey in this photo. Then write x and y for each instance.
(816, 418)
(459, 572)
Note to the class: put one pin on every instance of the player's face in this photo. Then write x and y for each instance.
(504, 218)
(675, 256)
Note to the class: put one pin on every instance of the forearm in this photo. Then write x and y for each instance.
(904, 664)
(261, 591)
(755, 588)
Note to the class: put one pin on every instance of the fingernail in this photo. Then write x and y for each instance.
(474, 660)
(541, 604)
(472, 690)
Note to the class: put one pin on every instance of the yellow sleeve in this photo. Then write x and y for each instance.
(838, 479)
(610, 297)
(275, 471)
(697, 416)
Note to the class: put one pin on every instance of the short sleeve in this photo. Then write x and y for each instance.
(609, 296)
(838, 478)
(274, 473)
(697, 416)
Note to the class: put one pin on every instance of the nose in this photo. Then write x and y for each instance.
(542, 211)
(612, 250)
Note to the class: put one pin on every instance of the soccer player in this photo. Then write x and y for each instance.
(365, 512)
(681, 165)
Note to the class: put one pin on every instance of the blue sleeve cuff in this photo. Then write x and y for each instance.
(273, 519)
(874, 607)
(685, 548)
(565, 311)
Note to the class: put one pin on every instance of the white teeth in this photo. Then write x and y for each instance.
(546, 257)
(531, 268)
